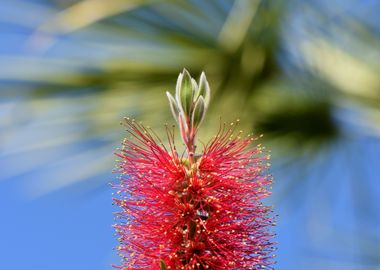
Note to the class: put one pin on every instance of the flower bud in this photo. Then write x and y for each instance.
(199, 112)
(184, 92)
(204, 89)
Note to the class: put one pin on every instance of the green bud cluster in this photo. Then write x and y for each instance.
(190, 103)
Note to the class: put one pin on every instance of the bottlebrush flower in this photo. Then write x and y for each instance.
(192, 210)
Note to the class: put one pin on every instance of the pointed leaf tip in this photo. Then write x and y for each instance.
(204, 89)
(184, 92)
(178, 85)
(173, 106)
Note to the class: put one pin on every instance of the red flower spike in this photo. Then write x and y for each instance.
(194, 212)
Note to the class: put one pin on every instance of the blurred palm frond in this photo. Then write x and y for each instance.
(107, 57)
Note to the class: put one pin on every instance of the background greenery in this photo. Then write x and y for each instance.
(303, 73)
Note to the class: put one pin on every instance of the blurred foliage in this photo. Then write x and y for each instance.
(284, 78)
(304, 73)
